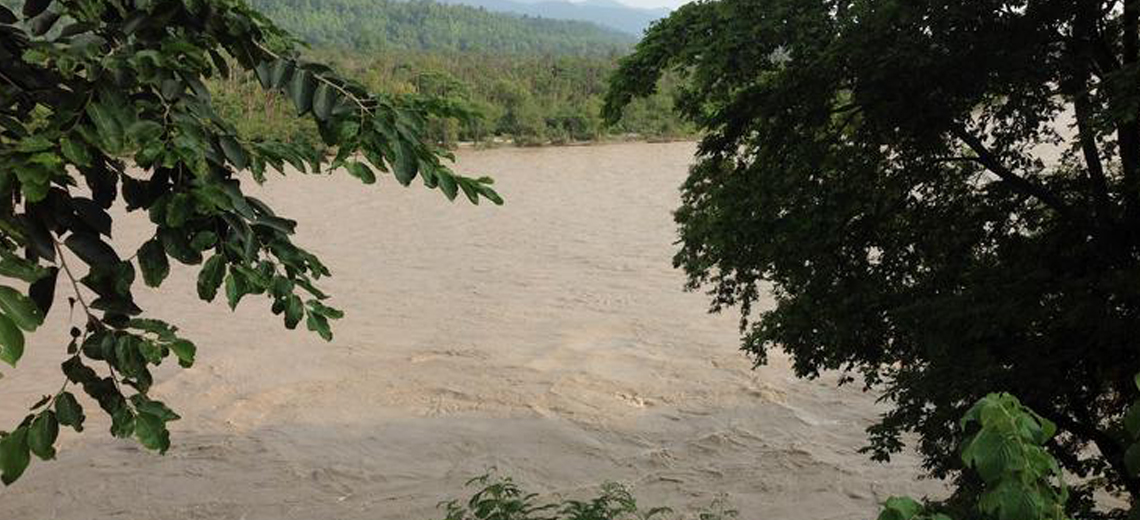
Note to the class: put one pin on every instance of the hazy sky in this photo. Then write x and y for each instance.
(671, 4)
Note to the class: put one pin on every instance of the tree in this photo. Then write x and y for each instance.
(942, 197)
(90, 86)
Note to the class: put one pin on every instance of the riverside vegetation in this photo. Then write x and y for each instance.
(519, 79)
(912, 235)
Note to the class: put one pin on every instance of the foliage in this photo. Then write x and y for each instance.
(499, 498)
(525, 99)
(422, 25)
(943, 198)
(87, 86)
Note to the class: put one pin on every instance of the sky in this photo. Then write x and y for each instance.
(651, 4)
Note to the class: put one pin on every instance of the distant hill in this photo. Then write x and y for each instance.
(608, 13)
(430, 26)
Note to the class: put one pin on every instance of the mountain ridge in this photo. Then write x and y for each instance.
(607, 13)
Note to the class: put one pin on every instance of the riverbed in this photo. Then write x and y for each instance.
(549, 338)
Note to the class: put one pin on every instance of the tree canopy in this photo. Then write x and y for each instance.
(104, 102)
(423, 25)
(943, 198)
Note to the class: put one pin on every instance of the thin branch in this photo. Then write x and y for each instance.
(74, 282)
(987, 159)
(1094, 166)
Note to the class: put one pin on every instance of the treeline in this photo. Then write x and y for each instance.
(420, 25)
(522, 99)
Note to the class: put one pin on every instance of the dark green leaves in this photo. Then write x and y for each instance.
(210, 277)
(20, 309)
(11, 341)
(119, 87)
(301, 90)
(152, 260)
(150, 423)
(184, 351)
(361, 171)
(75, 151)
(14, 455)
(42, 435)
(234, 152)
(91, 249)
(324, 99)
(69, 412)
(16, 267)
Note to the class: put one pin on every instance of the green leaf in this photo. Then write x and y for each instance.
(151, 432)
(11, 341)
(490, 194)
(184, 351)
(282, 71)
(156, 408)
(20, 309)
(91, 249)
(14, 456)
(42, 291)
(294, 311)
(447, 185)
(69, 412)
(210, 277)
(361, 171)
(153, 262)
(470, 191)
(264, 71)
(323, 101)
(203, 240)
(1132, 421)
(320, 325)
(235, 288)
(406, 163)
(75, 152)
(1132, 460)
(326, 311)
(234, 152)
(16, 267)
(123, 421)
(179, 209)
(900, 508)
(301, 90)
(42, 435)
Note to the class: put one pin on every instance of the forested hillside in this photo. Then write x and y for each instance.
(526, 99)
(523, 80)
(373, 25)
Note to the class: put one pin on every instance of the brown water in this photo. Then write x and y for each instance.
(549, 338)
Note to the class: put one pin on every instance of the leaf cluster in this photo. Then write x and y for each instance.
(104, 103)
(941, 198)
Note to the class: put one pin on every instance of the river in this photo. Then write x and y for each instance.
(549, 338)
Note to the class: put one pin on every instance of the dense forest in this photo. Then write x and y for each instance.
(382, 25)
(522, 99)
(523, 80)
